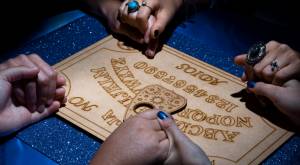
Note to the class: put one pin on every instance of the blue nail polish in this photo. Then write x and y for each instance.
(251, 84)
(162, 115)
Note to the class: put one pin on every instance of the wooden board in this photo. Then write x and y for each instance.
(103, 80)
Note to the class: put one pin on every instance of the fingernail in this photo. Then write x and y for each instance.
(162, 115)
(251, 84)
(156, 33)
(149, 54)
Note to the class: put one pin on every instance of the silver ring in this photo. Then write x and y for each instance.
(274, 65)
(144, 3)
(256, 53)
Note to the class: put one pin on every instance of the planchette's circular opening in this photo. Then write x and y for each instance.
(142, 107)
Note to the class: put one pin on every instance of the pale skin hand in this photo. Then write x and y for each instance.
(145, 26)
(182, 150)
(162, 11)
(288, 61)
(282, 86)
(12, 115)
(285, 97)
(139, 140)
(150, 21)
(36, 94)
(143, 140)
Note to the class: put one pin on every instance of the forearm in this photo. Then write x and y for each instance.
(103, 158)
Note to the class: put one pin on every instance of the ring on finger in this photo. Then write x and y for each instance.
(133, 6)
(144, 3)
(274, 65)
(256, 53)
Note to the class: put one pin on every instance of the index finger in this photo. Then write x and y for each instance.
(47, 80)
(240, 59)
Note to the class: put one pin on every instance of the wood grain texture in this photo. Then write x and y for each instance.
(106, 80)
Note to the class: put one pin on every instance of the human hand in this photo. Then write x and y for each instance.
(139, 140)
(150, 20)
(40, 92)
(12, 115)
(288, 61)
(285, 97)
(109, 10)
(163, 11)
(182, 149)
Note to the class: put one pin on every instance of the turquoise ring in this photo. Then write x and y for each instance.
(133, 6)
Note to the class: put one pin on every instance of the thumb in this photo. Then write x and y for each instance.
(18, 73)
(182, 149)
(263, 89)
(169, 126)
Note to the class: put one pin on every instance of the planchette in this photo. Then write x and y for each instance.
(155, 97)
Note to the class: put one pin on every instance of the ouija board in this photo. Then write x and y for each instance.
(107, 79)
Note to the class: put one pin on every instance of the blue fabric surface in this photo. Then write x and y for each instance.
(215, 40)
(15, 152)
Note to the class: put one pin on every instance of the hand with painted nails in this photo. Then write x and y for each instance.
(139, 140)
(150, 20)
(280, 64)
(13, 115)
(37, 93)
(182, 150)
(285, 97)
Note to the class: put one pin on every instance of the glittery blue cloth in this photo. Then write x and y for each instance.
(213, 39)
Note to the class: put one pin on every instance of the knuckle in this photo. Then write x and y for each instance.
(53, 74)
(22, 56)
(44, 81)
(257, 69)
(266, 72)
(273, 43)
(10, 61)
(284, 47)
(34, 55)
